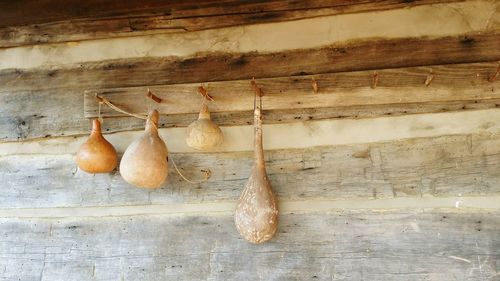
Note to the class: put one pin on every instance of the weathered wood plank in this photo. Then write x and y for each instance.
(365, 55)
(454, 19)
(95, 20)
(37, 114)
(431, 167)
(30, 12)
(401, 245)
(31, 115)
(461, 82)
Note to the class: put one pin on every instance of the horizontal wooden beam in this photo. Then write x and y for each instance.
(446, 166)
(377, 246)
(389, 87)
(454, 19)
(35, 22)
(365, 55)
(36, 120)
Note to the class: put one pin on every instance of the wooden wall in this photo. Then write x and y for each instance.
(390, 171)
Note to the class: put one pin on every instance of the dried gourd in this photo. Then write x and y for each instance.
(204, 134)
(144, 163)
(96, 155)
(256, 214)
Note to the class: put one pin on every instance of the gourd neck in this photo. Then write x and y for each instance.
(152, 122)
(96, 128)
(204, 113)
(258, 148)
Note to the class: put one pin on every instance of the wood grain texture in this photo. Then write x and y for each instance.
(76, 21)
(35, 114)
(401, 86)
(400, 245)
(364, 55)
(31, 116)
(449, 166)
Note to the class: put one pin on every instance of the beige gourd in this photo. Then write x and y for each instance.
(96, 155)
(204, 134)
(256, 214)
(144, 163)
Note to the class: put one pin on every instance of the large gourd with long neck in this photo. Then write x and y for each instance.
(144, 163)
(256, 215)
(96, 155)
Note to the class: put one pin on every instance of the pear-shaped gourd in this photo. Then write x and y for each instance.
(256, 215)
(144, 163)
(204, 134)
(96, 155)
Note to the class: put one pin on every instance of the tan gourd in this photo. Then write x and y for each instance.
(256, 215)
(144, 163)
(204, 134)
(96, 155)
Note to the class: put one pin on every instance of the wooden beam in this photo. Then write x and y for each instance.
(395, 88)
(35, 22)
(365, 55)
(448, 166)
(364, 245)
(31, 114)
(28, 120)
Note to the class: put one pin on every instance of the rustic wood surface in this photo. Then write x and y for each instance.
(365, 55)
(446, 166)
(32, 116)
(38, 22)
(46, 113)
(396, 245)
(460, 82)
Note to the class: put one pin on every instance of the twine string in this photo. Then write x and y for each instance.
(104, 100)
(207, 173)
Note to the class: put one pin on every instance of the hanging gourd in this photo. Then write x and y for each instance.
(96, 155)
(144, 163)
(256, 214)
(204, 134)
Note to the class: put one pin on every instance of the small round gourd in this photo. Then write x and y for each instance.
(204, 134)
(96, 155)
(144, 163)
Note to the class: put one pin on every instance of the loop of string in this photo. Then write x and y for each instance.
(101, 100)
(116, 108)
(207, 173)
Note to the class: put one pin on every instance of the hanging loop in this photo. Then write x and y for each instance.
(204, 93)
(153, 97)
(314, 85)
(429, 78)
(374, 80)
(496, 74)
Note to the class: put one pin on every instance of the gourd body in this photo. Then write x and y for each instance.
(96, 155)
(256, 214)
(144, 163)
(204, 134)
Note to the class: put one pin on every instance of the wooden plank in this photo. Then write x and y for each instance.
(398, 245)
(450, 83)
(31, 115)
(365, 55)
(46, 113)
(463, 165)
(23, 12)
(76, 21)
(454, 19)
